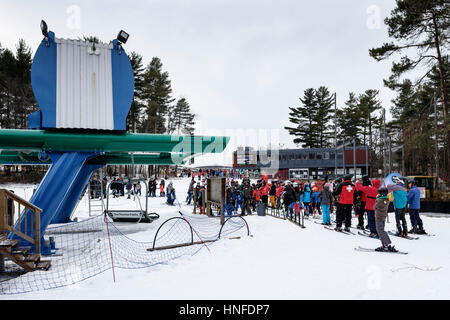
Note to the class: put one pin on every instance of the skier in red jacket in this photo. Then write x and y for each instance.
(346, 193)
(371, 193)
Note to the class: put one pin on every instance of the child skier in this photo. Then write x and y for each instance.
(327, 199)
(297, 207)
(315, 198)
(239, 201)
(170, 194)
(307, 199)
(381, 212)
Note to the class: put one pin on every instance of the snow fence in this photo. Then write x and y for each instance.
(93, 246)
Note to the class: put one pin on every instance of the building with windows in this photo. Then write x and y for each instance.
(304, 163)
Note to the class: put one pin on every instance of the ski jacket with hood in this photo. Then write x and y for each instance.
(326, 196)
(371, 193)
(279, 191)
(289, 195)
(400, 196)
(307, 194)
(414, 198)
(381, 208)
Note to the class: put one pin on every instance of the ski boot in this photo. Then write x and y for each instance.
(373, 235)
(413, 230)
(421, 231)
(360, 227)
(339, 229)
(391, 248)
(382, 249)
(347, 229)
(405, 233)
(399, 233)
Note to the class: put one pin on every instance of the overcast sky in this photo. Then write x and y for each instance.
(240, 64)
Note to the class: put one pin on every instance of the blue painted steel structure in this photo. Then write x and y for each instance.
(68, 175)
(60, 190)
(44, 81)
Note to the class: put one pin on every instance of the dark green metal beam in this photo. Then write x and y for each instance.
(32, 158)
(14, 139)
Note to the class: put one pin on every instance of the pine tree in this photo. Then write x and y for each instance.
(134, 117)
(322, 116)
(368, 104)
(181, 120)
(303, 117)
(157, 92)
(25, 102)
(349, 120)
(16, 96)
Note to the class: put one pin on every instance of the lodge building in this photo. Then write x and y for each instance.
(310, 164)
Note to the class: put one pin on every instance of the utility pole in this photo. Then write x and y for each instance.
(132, 165)
(354, 157)
(390, 156)
(436, 142)
(384, 141)
(335, 135)
(343, 158)
(403, 161)
(367, 161)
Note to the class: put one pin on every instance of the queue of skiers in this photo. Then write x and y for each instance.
(361, 197)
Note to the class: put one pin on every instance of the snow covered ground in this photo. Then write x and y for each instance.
(279, 261)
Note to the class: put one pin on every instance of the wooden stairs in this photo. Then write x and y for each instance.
(21, 256)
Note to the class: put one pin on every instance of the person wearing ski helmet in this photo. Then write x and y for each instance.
(381, 213)
(414, 208)
(400, 202)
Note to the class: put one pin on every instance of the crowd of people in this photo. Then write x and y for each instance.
(345, 197)
(120, 187)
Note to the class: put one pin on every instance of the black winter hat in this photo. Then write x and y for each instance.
(383, 191)
(348, 177)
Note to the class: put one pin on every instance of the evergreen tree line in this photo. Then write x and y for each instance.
(419, 136)
(16, 96)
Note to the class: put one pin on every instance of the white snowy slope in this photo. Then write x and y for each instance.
(279, 261)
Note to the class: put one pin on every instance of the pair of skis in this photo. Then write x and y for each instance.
(362, 249)
(391, 233)
(340, 231)
(373, 250)
(366, 234)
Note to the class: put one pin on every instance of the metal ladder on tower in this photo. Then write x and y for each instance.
(96, 197)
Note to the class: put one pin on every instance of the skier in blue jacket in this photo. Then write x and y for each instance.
(400, 202)
(307, 198)
(414, 208)
(315, 198)
(239, 201)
